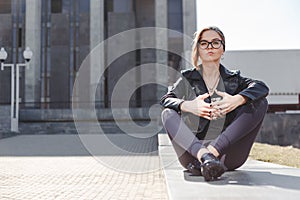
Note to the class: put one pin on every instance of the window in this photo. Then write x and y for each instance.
(84, 6)
(56, 6)
(175, 15)
(5, 6)
(20, 37)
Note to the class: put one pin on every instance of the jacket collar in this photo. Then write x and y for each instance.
(224, 72)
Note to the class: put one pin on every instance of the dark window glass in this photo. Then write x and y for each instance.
(20, 37)
(56, 6)
(175, 15)
(109, 6)
(84, 6)
(5, 6)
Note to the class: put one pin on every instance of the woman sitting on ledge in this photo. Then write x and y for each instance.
(190, 112)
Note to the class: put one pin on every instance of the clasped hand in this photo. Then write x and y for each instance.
(216, 109)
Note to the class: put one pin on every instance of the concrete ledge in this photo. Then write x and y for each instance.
(106, 114)
(281, 129)
(254, 180)
(6, 134)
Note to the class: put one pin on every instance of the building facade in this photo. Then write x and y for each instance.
(62, 33)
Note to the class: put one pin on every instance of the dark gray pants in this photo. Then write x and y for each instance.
(233, 144)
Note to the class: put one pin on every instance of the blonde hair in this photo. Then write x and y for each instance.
(197, 37)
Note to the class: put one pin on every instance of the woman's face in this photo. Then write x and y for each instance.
(210, 54)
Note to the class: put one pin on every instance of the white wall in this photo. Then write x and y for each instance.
(279, 69)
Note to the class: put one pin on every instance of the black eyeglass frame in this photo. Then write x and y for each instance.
(210, 43)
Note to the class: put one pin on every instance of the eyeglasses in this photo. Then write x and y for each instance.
(215, 44)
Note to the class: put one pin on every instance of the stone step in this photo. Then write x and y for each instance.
(111, 127)
(5, 121)
(4, 117)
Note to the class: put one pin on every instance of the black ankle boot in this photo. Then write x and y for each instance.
(195, 168)
(211, 167)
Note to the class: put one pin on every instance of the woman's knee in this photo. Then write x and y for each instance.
(265, 104)
(261, 107)
(257, 108)
(262, 104)
(168, 113)
(170, 119)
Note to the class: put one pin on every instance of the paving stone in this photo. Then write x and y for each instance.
(63, 175)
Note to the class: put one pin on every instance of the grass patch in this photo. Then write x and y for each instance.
(288, 155)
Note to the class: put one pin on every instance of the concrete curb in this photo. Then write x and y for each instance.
(254, 180)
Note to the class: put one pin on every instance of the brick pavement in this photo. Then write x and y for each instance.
(72, 177)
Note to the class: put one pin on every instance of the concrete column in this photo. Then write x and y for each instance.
(97, 56)
(122, 63)
(161, 21)
(189, 28)
(33, 40)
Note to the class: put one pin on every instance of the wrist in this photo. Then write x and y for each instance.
(241, 99)
(184, 106)
(180, 105)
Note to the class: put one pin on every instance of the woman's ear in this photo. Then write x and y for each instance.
(223, 55)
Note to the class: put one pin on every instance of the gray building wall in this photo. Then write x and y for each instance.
(60, 34)
(279, 69)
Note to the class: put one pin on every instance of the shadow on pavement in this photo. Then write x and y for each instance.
(251, 178)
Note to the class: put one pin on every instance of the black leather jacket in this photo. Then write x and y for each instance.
(191, 84)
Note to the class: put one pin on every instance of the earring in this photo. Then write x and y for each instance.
(222, 57)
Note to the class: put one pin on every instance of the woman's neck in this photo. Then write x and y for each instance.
(210, 69)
